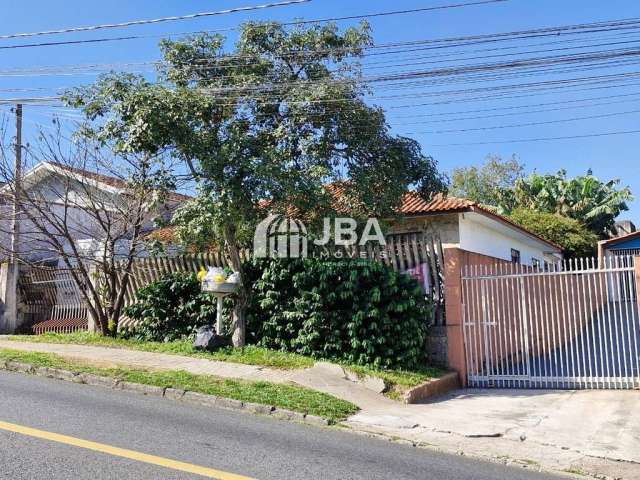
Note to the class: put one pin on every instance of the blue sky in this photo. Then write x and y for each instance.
(608, 156)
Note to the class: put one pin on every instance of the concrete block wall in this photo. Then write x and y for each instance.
(8, 297)
(437, 346)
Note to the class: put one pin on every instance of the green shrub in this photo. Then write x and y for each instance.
(170, 309)
(355, 311)
(574, 238)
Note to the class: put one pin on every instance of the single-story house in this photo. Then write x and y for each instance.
(461, 224)
(467, 225)
(628, 244)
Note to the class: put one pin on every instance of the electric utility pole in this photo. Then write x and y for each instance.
(17, 183)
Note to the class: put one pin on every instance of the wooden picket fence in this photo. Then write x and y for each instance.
(419, 254)
(53, 302)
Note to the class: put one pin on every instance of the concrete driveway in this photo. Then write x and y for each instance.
(595, 432)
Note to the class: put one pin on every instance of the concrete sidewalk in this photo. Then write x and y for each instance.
(593, 432)
(323, 377)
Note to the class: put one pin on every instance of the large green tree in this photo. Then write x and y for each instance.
(274, 118)
(487, 183)
(594, 203)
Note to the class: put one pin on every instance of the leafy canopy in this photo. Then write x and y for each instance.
(275, 118)
(575, 239)
(501, 184)
(488, 183)
(592, 202)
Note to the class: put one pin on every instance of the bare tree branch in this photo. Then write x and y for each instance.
(86, 210)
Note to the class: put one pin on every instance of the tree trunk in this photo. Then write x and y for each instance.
(103, 325)
(239, 323)
(240, 319)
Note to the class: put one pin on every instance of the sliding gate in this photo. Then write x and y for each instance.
(565, 326)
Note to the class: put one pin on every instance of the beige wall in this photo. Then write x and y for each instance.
(446, 225)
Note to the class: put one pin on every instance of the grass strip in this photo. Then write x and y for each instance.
(249, 355)
(298, 399)
(397, 381)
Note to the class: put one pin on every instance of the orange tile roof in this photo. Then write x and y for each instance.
(163, 235)
(413, 203)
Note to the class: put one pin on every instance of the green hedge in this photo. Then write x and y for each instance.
(574, 238)
(355, 311)
(170, 309)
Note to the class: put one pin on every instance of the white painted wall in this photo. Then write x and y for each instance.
(484, 235)
(83, 227)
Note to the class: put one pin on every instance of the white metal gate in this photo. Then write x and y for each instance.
(565, 326)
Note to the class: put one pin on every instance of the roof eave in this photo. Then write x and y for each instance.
(506, 221)
(617, 240)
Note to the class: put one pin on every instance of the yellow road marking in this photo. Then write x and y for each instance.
(121, 452)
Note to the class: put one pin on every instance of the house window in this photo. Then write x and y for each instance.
(515, 256)
(535, 263)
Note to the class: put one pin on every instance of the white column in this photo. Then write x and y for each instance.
(8, 297)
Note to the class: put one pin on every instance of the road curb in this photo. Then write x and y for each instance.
(169, 393)
(432, 388)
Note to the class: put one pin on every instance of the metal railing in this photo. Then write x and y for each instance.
(51, 301)
(569, 325)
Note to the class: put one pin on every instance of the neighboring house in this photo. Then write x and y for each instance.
(68, 189)
(460, 224)
(625, 245)
(623, 227)
(468, 226)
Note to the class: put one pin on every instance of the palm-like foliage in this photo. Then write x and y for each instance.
(594, 203)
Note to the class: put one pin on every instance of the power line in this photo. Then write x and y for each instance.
(402, 12)
(540, 139)
(367, 65)
(212, 64)
(520, 125)
(472, 73)
(78, 116)
(297, 22)
(5, 101)
(520, 112)
(490, 92)
(133, 23)
(535, 88)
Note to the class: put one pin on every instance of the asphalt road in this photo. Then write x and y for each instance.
(243, 444)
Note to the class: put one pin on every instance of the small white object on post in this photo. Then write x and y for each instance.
(215, 284)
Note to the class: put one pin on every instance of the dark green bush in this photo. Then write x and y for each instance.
(356, 311)
(170, 309)
(574, 238)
